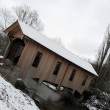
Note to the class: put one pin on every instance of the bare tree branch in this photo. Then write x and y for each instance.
(103, 59)
(31, 17)
(103, 51)
(6, 18)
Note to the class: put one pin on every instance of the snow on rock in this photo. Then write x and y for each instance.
(14, 99)
(1, 56)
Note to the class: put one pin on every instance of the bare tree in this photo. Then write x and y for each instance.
(102, 64)
(58, 41)
(6, 18)
(24, 14)
(103, 51)
(3, 43)
(31, 17)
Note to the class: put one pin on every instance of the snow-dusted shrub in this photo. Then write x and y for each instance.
(98, 101)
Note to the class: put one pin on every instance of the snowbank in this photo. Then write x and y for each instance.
(13, 99)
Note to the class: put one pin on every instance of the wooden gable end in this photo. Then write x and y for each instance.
(14, 31)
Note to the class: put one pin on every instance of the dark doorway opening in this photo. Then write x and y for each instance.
(15, 51)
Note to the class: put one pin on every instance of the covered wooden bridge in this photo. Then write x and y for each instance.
(43, 60)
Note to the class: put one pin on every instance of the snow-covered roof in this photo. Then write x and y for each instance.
(48, 43)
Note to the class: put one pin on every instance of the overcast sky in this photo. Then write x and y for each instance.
(81, 24)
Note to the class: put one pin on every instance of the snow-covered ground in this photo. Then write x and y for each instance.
(14, 99)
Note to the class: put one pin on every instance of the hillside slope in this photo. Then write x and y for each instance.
(14, 99)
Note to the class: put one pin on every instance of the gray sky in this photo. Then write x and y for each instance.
(81, 24)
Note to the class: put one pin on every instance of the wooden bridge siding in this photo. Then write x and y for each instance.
(80, 78)
(76, 83)
(43, 66)
(31, 56)
(53, 77)
(47, 66)
(56, 78)
(48, 63)
(62, 72)
(30, 72)
(17, 33)
(88, 82)
(26, 58)
(66, 81)
(50, 71)
(38, 72)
